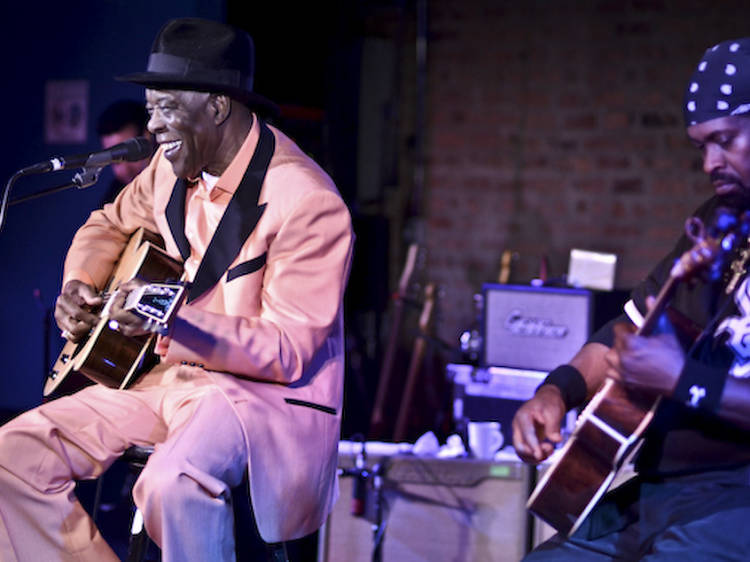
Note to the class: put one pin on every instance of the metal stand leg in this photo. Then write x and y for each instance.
(378, 526)
(139, 540)
(137, 457)
(277, 552)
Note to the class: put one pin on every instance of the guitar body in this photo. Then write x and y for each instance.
(106, 356)
(608, 433)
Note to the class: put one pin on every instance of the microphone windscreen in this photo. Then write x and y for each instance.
(135, 149)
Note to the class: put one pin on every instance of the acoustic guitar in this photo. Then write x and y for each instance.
(105, 355)
(609, 431)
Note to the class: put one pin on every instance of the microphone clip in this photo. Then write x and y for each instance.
(87, 176)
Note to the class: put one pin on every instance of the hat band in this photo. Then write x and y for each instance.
(171, 64)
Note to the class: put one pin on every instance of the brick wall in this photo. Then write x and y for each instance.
(557, 124)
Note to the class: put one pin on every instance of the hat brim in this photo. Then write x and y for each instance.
(160, 81)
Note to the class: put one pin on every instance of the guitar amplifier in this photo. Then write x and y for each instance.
(533, 328)
(462, 510)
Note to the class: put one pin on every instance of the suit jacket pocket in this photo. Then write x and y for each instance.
(313, 405)
(246, 267)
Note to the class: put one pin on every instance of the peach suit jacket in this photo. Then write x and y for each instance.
(268, 327)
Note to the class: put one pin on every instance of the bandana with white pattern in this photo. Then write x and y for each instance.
(720, 85)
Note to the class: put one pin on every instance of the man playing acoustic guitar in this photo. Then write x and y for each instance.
(250, 377)
(690, 499)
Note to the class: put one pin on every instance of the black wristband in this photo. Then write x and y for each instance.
(571, 383)
(700, 386)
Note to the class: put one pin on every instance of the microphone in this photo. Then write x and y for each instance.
(131, 150)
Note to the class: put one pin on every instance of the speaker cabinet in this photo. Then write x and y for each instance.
(453, 510)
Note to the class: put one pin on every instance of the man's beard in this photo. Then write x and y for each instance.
(738, 199)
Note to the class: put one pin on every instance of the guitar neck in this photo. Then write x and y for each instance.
(660, 304)
(377, 417)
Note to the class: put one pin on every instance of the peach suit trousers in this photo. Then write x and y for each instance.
(184, 490)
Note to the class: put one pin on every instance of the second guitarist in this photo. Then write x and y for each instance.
(690, 499)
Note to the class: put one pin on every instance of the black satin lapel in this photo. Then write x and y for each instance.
(175, 213)
(239, 219)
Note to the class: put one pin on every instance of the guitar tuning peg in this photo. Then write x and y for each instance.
(695, 229)
(728, 242)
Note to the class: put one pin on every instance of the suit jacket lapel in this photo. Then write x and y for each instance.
(175, 213)
(239, 220)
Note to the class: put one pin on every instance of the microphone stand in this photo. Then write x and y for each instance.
(367, 498)
(86, 177)
(378, 525)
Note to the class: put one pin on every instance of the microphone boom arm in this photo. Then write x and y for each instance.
(91, 165)
(86, 177)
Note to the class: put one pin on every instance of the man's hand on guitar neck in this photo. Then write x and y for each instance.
(74, 309)
(651, 364)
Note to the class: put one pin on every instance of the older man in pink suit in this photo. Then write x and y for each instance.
(250, 375)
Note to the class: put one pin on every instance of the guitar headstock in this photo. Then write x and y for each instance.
(712, 244)
(413, 263)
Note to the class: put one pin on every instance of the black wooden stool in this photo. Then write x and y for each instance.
(248, 548)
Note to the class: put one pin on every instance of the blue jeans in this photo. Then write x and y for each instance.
(698, 517)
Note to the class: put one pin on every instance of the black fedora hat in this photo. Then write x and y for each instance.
(204, 56)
